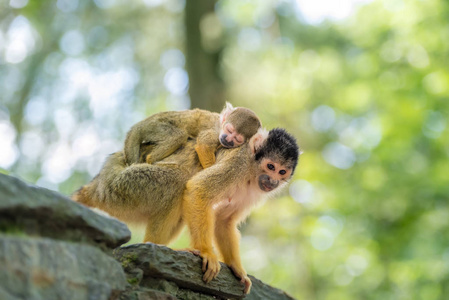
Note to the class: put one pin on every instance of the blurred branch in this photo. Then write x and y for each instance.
(206, 85)
(17, 113)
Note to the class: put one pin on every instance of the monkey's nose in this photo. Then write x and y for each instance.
(267, 184)
(225, 143)
(229, 138)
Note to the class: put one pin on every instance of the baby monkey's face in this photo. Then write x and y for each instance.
(230, 137)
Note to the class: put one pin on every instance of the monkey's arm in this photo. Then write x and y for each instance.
(227, 239)
(167, 142)
(199, 216)
(206, 146)
(202, 191)
(152, 140)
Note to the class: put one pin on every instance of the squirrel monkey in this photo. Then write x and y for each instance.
(161, 134)
(146, 193)
(217, 199)
(152, 194)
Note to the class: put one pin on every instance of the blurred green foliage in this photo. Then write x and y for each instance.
(367, 213)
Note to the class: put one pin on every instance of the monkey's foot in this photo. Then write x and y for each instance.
(241, 273)
(211, 266)
(247, 283)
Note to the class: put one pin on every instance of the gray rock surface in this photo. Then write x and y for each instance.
(41, 212)
(49, 269)
(146, 294)
(182, 268)
(260, 290)
(179, 273)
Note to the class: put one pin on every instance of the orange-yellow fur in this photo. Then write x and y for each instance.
(172, 191)
(217, 200)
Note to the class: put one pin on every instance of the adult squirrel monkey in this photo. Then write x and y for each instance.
(216, 200)
(161, 134)
(137, 192)
(213, 204)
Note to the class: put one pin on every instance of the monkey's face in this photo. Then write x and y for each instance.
(230, 137)
(273, 174)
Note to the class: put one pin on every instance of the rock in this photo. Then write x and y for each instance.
(260, 290)
(48, 269)
(40, 212)
(179, 274)
(146, 294)
(181, 268)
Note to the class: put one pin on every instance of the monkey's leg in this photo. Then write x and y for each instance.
(165, 227)
(199, 216)
(164, 231)
(207, 143)
(82, 196)
(154, 194)
(172, 139)
(227, 239)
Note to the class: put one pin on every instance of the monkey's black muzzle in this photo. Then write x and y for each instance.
(225, 143)
(267, 184)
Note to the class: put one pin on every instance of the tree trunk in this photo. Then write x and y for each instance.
(206, 87)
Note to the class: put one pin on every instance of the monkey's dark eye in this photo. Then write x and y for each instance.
(271, 167)
(282, 172)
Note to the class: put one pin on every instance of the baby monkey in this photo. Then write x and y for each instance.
(161, 134)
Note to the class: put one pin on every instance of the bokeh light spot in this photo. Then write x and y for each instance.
(176, 81)
(323, 118)
(249, 39)
(18, 3)
(338, 155)
(322, 239)
(172, 58)
(72, 43)
(9, 152)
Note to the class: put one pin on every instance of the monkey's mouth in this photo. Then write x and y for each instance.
(266, 183)
(266, 187)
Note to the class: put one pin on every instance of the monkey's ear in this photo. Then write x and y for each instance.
(227, 110)
(258, 139)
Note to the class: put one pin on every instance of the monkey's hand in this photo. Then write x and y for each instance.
(206, 155)
(241, 273)
(211, 266)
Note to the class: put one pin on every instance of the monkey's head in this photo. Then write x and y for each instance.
(237, 125)
(277, 154)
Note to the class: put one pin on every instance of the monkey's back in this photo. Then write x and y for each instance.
(192, 121)
(160, 134)
(141, 191)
